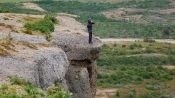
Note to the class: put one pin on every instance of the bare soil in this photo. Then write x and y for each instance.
(125, 40)
(122, 14)
(70, 25)
(169, 66)
(105, 93)
(168, 11)
(32, 6)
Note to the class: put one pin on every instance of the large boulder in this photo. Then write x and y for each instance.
(42, 67)
(77, 47)
(81, 75)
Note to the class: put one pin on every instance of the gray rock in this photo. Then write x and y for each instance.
(28, 38)
(77, 47)
(81, 76)
(78, 80)
(43, 68)
(24, 37)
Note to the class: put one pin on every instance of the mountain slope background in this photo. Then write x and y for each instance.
(133, 18)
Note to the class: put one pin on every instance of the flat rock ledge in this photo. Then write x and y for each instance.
(81, 75)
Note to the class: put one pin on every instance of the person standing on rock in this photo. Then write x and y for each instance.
(89, 27)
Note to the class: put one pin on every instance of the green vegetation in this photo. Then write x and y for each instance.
(18, 88)
(16, 8)
(45, 25)
(138, 63)
(15, 1)
(113, 28)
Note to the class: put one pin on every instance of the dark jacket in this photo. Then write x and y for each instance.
(89, 25)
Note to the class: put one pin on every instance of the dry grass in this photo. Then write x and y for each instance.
(27, 44)
(32, 6)
(6, 26)
(31, 19)
(27, 31)
(6, 46)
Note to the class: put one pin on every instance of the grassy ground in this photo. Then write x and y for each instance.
(16, 8)
(111, 1)
(19, 88)
(132, 66)
(15, 1)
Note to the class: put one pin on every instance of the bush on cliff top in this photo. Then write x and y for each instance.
(45, 25)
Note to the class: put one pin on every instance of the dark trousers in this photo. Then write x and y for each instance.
(90, 37)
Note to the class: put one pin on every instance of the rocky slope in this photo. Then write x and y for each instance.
(68, 58)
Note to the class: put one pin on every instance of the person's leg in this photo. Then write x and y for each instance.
(90, 37)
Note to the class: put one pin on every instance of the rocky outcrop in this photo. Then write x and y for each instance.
(42, 67)
(68, 58)
(81, 75)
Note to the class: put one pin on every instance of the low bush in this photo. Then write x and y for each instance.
(43, 25)
(52, 18)
(131, 94)
(19, 88)
(123, 65)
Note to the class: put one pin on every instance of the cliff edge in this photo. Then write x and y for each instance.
(67, 59)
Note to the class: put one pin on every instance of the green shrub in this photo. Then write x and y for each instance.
(153, 94)
(146, 75)
(15, 80)
(117, 94)
(133, 46)
(44, 26)
(18, 88)
(131, 94)
(130, 68)
(57, 92)
(52, 18)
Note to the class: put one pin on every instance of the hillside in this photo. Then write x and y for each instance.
(138, 18)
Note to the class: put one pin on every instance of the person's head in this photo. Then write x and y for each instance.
(90, 20)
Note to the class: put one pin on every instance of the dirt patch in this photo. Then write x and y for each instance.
(69, 15)
(32, 6)
(137, 15)
(70, 25)
(155, 19)
(168, 11)
(105, 93)
(127, 40)
(122, 14)
(169, 66)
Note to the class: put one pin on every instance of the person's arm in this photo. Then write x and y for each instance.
(92, 22)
